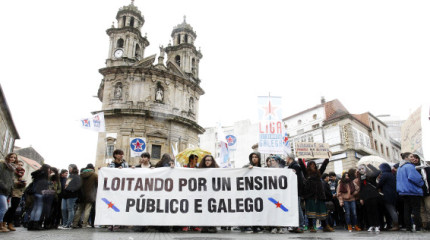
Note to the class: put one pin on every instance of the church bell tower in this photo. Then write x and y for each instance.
(126, 42)
(183, 53)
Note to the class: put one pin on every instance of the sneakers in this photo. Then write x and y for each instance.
(357, 228)
(64, 227)
(312, 230)
(281, 231)
(349, 228)
(274, 230)
(371, 229)
(185, 229)
(377, 229)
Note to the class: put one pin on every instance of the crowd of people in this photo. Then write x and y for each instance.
(370, 197)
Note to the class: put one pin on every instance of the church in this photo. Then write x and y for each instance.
(143, 96)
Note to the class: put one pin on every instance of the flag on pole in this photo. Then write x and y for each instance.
(95, 123)
(223, 160)
(175, 152)
(137, 146)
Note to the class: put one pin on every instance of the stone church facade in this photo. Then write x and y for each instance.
(156, 99)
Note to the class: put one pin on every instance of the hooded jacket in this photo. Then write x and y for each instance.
(387, 184)
(6, 179)
(409, 181)
(89, 186)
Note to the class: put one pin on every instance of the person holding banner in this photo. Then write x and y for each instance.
(208, 161)
(314, 195)
(145, 161)
(254, 161)
(118, 161)
(275, 162)
(292, 164)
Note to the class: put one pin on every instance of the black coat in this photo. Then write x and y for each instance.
(40, 181)
(387, 184)
(300, 177)
(72, 190)
(313, 187)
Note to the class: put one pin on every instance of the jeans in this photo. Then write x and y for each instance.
(350, 212)
(3, 206)
(68, 211)
(37, 207)
(301, 217)
(393, 213)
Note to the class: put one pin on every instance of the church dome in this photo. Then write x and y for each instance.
(131, 9)
(184, 27)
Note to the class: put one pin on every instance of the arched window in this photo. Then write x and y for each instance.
(186, 38)
(137, 51)
(124, 20)
(178, 60)
(132, 22)
(120, 43)
(178, 40)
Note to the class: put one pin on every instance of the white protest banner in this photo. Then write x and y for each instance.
(202, 197)
(425, 125)
(270, 125)
(312, 150)
(412, 133)
(137, 146)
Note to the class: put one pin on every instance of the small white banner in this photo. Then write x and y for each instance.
(197, 197)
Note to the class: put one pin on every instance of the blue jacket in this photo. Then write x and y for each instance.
(409, 181)
(387, 183)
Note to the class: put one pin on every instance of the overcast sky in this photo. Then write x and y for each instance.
(371, 55)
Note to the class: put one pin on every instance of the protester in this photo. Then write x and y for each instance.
(89, 180)
(338, 210)
(369, 195)
(40, 185)
(7, 169)
(409, 186)
(352, 173)
(208, 161)
(118, 161)
(17, 192)
(50, 200)
(145, 161)
(425, 201)
(346, 192)
(70, 195)
(192, 161)
(275, 162)
(387, 185)
(314, 195)
(164, 162)
(292, 164)
(254, 161)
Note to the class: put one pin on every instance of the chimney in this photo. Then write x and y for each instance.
(322, 100)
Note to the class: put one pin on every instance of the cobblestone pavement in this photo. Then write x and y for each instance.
(127, 234)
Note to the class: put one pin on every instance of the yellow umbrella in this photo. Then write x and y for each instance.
(183, 156)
